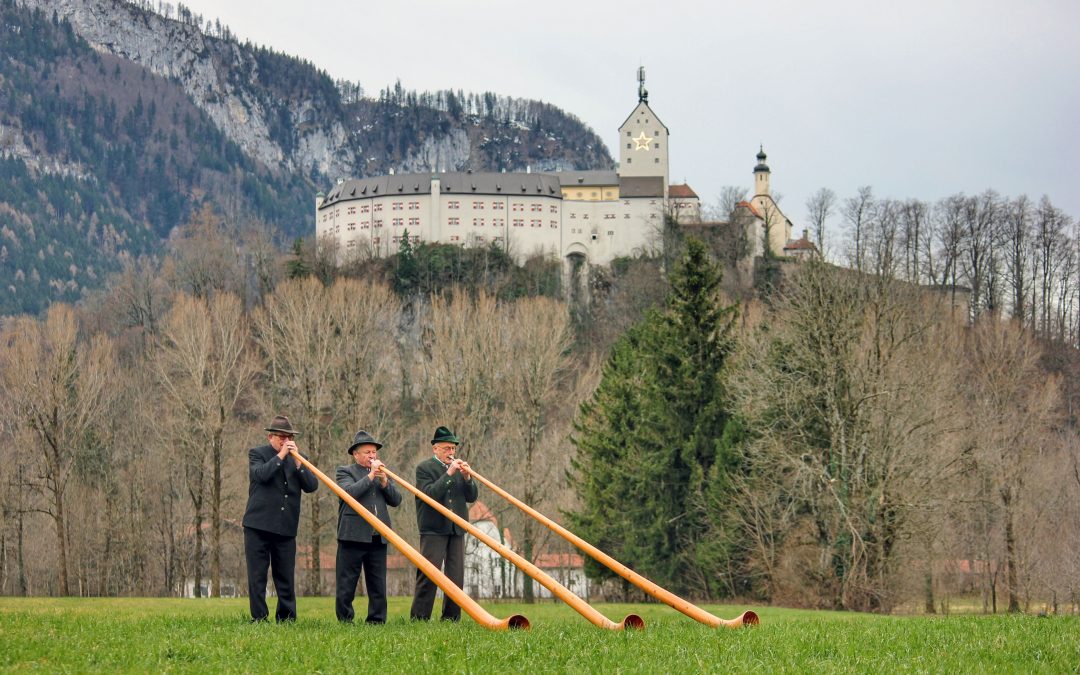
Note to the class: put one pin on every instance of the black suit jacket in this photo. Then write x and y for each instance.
(453, 492)
(371, 495)
(274, 491)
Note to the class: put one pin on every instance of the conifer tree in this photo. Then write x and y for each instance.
(650, 437)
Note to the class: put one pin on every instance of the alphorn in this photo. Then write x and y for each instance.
(471, 607)
(748, 618)
(558, 590)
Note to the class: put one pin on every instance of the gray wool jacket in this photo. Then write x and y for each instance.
(372, 496)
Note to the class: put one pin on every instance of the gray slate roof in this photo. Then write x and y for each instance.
(641, 186)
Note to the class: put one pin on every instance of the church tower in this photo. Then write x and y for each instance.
(761, 174)
(643, 141)
(776, 228)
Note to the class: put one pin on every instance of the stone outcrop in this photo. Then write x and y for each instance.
(202, 65)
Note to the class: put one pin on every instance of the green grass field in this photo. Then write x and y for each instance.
(146, 634)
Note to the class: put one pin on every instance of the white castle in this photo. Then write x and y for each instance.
(595, 216)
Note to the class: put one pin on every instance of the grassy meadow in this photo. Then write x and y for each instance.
(149, 634)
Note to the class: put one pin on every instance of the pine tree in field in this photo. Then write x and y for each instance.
(651, 435)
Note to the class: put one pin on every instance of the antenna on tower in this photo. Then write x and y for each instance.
(642, 93)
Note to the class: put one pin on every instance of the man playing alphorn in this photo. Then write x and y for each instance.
(447, 480)
(276, 483)
(359, 545)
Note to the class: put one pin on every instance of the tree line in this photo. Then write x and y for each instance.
(848, 440)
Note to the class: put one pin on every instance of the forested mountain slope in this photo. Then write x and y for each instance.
(117, 123)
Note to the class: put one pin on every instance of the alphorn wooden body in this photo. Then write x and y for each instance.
(558, 590)
(747, 618)
(470, 606)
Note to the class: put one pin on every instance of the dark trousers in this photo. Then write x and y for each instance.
(439, 548)
(351, 557)
(265, 549)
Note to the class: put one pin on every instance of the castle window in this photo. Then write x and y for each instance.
(535, 223)
(414, 221)
(378, 207)
(397, 206)
(611, 233)
(657, 160)
(656, 145)
(375, 240)
(413, 206)
(628, 136)
(519, 222)
(626, 216)
(352, 210)
(496, 206)
(453, 221)
(555, 224)
(398, 222)
(479, 206)
(629, 159)
(366, 208)
(350, 227)
(454, 237)
(378, 223)
(453, 205)
(628, 146)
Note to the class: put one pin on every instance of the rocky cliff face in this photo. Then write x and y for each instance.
(289, 116)
(206, 69)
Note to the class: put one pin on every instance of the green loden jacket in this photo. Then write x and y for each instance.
(453, 492)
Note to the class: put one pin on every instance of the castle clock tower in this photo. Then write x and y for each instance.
(643, 141)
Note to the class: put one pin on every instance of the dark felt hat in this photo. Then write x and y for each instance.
(444, 435)
(281, 425)
(362, 438)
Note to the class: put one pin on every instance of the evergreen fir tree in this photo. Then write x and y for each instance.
(651, 435)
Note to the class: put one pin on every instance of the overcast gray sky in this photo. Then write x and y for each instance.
(916, 99)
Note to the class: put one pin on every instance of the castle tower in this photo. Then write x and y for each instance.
(761, 174)
(643, 141)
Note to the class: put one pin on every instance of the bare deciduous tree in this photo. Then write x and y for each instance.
(819, 206)
(205, 371)
(1012, 403)
(59, 387)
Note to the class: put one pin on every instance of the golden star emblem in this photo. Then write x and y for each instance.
(643, 141)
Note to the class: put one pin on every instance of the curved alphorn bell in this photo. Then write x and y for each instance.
(558, 590)
(470, 606)
(748, 618)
